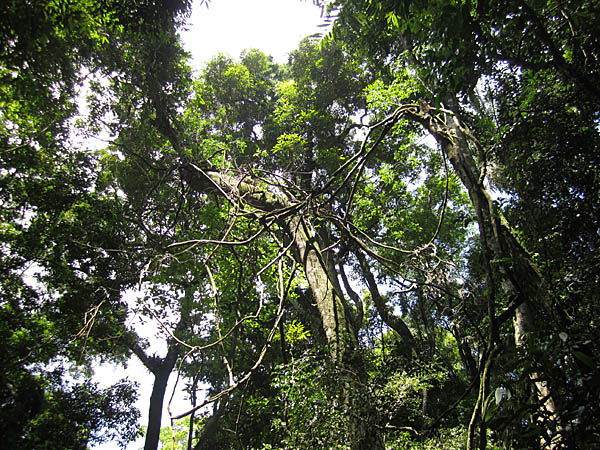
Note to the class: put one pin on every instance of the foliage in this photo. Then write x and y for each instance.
(511, 72)
(63, 265)
(43, 411)
(388, 242)
(175, 437)
(316, 407)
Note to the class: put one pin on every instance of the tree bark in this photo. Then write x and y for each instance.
(389, 318)
(329, 301)
(161, 368)
(508, 260)
(337, 327)
(156, 406)
(207, 439)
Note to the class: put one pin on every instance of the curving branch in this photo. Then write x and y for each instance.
(387, 315)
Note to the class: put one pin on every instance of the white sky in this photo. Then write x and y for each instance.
(226, 26)
(231, 26)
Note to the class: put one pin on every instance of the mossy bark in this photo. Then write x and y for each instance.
(509, 266)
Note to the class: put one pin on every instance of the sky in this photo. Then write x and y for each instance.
(230, 27)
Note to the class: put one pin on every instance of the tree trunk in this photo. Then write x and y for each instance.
(523, 326)
(207, 439)
(155, 412)
(340, 334)
(507, 259)
(161, 368)
(337, 327)
(329, 301)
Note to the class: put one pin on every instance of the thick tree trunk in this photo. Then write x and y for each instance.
(330, 303)
(523, 324)
(337, 327)
(508, 261)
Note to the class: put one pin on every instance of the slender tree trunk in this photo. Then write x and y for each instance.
(161, 368)
(208, 435)
(156, 407)
(387, 315)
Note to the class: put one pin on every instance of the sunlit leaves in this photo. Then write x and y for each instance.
(401, 90)
(289, 143)
(295, 333)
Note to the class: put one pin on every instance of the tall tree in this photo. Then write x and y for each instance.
(486, 69)
(64, 261)
(302, 245)
(275, 157)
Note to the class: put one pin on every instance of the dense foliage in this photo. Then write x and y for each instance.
(389, 242)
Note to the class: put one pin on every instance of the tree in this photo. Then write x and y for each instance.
(321, 242)
(298, 192)
(473, 60)
(64, 263)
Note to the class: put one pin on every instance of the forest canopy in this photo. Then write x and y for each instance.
(388, 242)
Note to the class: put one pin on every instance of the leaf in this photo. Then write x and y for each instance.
(392, 19)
